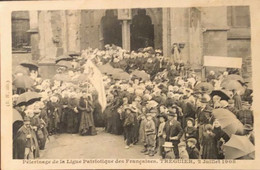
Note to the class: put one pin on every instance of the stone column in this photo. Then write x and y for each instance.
(195, 39)
(126, 35)
(47, 48)
(179, 30)
(33, 15)
(166, 33)
(73, 30)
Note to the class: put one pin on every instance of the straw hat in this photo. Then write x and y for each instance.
(168, 145)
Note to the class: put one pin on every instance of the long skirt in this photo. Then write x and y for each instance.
(87, 126)
(72, 121)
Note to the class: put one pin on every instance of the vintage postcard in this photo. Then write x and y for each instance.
(130, 84)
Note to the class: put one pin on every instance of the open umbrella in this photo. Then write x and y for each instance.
(23, 81)
(28, 98)
(64, 58)
(203, 87)
(17, 116)
(121, 75)
(233, 85)
(106, 68)
(141, 74)
(64, 63)
(30, 64)
(21, 69)
(74, 53)
(224, 94)
(238, 146)
(228, 121)
(233, 77)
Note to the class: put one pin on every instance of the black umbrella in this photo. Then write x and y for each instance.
(221, 93)
(64, 58)
(74, 53)
(30, 64)
(28, 98)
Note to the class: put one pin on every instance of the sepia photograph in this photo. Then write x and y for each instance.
(137, 83)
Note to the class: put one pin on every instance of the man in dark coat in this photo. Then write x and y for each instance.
(174, 132)
(25, 145)
(245, 115)
(203, 116)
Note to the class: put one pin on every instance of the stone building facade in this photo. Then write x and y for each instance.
(213, 31)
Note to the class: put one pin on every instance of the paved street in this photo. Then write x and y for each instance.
(103, 145)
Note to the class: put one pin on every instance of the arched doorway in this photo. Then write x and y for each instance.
(111, 28)
(142, 31)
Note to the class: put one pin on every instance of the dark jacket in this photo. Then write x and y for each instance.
(173, 129)
(193, 153)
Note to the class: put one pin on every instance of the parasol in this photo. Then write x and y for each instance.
(21, 69)
(204, 87)
(64, 58)
(224, 94)
(238, 146)
(64, 63)
(121, 75)
(30, 64)
(141, 74)
(233, 77)
(233, 85)
(74, 53)
(23, 81)
(229, 123)
(106, 68)
(28, 98)
(17, 116)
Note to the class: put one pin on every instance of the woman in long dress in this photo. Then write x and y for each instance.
(86, 126)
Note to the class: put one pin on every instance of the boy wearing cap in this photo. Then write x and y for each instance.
(191, 148)
(128, 126)
(150, 134)
(183, 154)
(161, 133)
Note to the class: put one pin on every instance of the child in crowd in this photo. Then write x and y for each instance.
(161, 133)
(191, 148)
(150, 134)
(183, 154)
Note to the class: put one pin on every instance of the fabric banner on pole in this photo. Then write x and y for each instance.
(95, 77)
(218, 61)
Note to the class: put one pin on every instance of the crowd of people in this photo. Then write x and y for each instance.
(151, 101)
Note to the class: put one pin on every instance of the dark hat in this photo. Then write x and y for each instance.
(248, 127)
(149, 114)
(153, 110)
(203, 100)
(208, 109)
(163, 115)
(172, 114)
(26, 119)
(191, 119)
(192, 140)
(208, 127)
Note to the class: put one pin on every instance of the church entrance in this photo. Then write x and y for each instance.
(142, 31)
(111, 28)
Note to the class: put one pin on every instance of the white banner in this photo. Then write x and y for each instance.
(217, 61)
(96, 79)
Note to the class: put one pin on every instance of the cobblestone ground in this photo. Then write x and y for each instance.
(103, 145)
